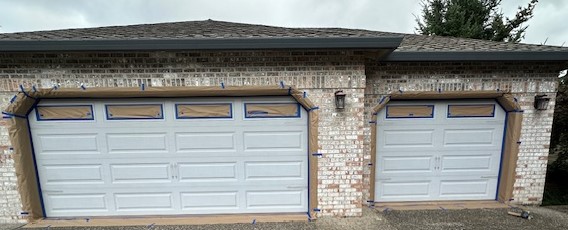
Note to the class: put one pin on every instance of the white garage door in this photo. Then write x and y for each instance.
(438, 150)
(171, 156)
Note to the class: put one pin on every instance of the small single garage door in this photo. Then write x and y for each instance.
(171, 156)
(438, 150)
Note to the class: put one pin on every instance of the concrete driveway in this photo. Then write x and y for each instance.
(483, 219)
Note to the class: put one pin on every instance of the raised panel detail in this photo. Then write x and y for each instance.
(72, 174)
(408, 138)
(200, 200)
(272, 140)
(274, 199)
(468, 137)
(76, 202)
(140, 173)
(136, 142)
(68, 144)
(406, 164)
(143, 202)
(205, 141)
(461, 188)
(207, 171)
(273, 170)
(466, 163)
(405, 189)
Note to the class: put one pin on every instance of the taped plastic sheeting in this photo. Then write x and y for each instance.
(410, 111)
(253, 110)
(116, 112)
(204, 111)
(471, 110)
(79, 112)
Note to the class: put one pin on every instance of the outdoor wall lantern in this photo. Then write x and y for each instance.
(541, 102)
(339, 99)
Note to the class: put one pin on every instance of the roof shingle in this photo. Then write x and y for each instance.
(210, 29)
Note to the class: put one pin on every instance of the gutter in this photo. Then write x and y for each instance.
(200, 44)
(403, 56)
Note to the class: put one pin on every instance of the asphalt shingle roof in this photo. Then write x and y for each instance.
(210, 29)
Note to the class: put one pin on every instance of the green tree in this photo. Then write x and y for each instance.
(479, 19)
(559, 137)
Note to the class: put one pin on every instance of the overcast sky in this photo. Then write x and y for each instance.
(550, 20)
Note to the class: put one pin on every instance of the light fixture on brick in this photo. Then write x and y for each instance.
(541, 102)
(339, 99)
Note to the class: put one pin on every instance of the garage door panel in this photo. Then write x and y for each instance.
(140, 173)
(71, 204)
(207, 171)
(408, 138)
(59, 174)
(470, 137)
(469, 163)
(203, 201)
(136, 142)
(143, 201)
(276, 170)
(276, 199)
(404, 189)
(465, 187)
(398, 165)
(273, 140)
(72, 144)
(205, 141)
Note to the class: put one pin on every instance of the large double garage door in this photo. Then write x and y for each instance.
(171, 156)
(438, 150)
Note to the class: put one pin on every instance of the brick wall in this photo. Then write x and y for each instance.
(343, 135)
(320, 74)
(522, 79)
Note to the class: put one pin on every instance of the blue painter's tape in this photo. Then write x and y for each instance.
(317, 210)
(305, 94)
(13, 99)
(373, 122)
(375, 113)
(13, 115)
(519, 142)
(142, 87)
(498, 89)
(400, 90)
(370, 201)
(83, 87)
(516, 100)
(34, 88)
(222, 85)
(382, 100)
(24, 213)
(439, 90)
(289, 90)
(309, 216)
(370, 164)
(24, 92)
(55, 87)
(254, 221)
(314, 108)
(317, 154)
(282, 84)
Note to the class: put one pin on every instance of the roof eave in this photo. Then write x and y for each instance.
(419, 56)
(200, 44)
